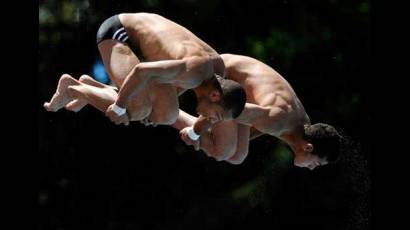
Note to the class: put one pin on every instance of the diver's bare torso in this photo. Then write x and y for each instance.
(279, 108)
(161, 39)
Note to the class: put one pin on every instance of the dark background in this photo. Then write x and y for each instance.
(96, 175)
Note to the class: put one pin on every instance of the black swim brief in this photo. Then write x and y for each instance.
(112, 29)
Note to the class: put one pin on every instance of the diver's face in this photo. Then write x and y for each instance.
(308, 160)
(213, 111)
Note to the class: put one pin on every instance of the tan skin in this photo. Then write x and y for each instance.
(272, 108)
(176, 60)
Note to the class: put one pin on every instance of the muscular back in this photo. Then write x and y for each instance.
(268, 89)
(161, 39)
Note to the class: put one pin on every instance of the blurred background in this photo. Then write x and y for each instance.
(96, 175)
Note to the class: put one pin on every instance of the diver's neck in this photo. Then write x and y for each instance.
(293, 138)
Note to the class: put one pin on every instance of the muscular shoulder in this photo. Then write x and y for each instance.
(238, 64)
(230, 60)
(198, 63)
(235, 59)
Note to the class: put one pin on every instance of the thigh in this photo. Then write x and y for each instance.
(119, 60)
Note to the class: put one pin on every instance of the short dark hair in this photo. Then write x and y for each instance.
(233, 95)
(325, 139)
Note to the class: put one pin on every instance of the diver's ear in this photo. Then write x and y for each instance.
(215, 96)
(308, 148)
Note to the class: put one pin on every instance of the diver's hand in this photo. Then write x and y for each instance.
(185, 137)
(115, 117)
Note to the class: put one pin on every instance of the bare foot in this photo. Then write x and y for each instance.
(100, 98)
(61, 96)
(75, 105)
(91, 81)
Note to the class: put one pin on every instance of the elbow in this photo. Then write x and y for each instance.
(140, 73)
(135, 81)
(138, 70)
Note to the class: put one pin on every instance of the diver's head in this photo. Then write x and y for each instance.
(320, 146)
(222, 99)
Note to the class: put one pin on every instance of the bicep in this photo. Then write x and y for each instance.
(162, 71)
(168, 71)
